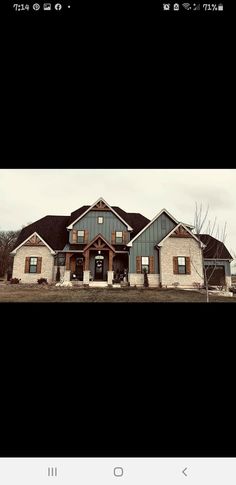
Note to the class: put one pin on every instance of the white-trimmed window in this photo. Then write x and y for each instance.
(100, 220)
(181, 265)
(33, 265)
(80, 237)
(145, 264)
(119, 237)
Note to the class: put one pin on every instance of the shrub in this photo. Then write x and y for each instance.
(14, 281)
(145, 284)
(58, 275)
(176, 284)
(42, 281)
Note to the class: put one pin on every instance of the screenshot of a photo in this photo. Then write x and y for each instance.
(118, 238)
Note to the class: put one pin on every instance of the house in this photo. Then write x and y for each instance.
(103, 243)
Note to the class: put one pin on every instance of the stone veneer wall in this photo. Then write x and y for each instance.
(136, 279)
(188, 247)
(33, 251)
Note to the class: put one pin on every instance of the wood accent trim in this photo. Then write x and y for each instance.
(175, 265)
(181, 232)
(188, 265)
(86, 236)
(110, 264)
(125, 237)
(74, 236)
(39, 265)
(27, 264)
(34, 241)
(95, 243)
(100, 206)
(86, 261)
(113, 237)
(138, 264)
(151, 265)
(68, 256)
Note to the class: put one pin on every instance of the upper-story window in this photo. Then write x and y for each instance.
(80, 237)
(181, 265)
(145, 264)
(33, 265)
(100, 220)
(119, 237)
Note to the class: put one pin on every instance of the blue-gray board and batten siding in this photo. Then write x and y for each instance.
(145, 244)
(110, 224)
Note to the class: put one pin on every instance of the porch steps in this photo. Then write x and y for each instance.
(98, 284)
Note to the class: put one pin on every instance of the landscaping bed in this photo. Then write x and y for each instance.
(51, 293)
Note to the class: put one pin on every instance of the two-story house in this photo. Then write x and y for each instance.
(104, 243)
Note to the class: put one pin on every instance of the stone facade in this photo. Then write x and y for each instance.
(33, 251)
(153, 280)
(136, 279)
(228, 282)
(186, 247)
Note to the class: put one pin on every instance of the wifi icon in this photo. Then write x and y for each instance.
(187, 6)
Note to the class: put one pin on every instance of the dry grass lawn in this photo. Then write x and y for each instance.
(24, 293)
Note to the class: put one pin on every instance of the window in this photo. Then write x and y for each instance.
(119, 237)
(100, 220)
(80, 237)
(181, 265)
(145, 264)
(33, 265)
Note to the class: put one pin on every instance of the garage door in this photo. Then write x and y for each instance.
(217, 278)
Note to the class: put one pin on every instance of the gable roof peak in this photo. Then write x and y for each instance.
(181, 224)
(72, 222)
(151, 222)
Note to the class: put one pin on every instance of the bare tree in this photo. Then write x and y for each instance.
(204, 226)
(234, 261)
(7, 241)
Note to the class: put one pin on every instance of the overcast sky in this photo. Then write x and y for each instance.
(28, 195)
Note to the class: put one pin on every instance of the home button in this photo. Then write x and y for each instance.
(118, 471)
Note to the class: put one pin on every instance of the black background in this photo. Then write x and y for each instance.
(117, 87)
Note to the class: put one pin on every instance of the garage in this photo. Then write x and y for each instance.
(216, 275)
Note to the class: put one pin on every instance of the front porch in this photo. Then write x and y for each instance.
(98, 265)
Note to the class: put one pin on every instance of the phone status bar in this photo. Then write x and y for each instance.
(41, 7)
(192, 7)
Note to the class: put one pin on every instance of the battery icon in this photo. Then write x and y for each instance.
(221, 6)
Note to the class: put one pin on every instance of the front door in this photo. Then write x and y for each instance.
(99, 269)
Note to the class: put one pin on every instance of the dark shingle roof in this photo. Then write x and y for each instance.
(214, 249)
(74, 215)
(53, 229)
(134, 219)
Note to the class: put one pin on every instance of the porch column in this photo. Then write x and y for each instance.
(67, 268)
(110, 260)
(86, 262)
(86, 268)
(68, 255)
(110, 273)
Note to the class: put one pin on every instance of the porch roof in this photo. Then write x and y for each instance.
(99, 236)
